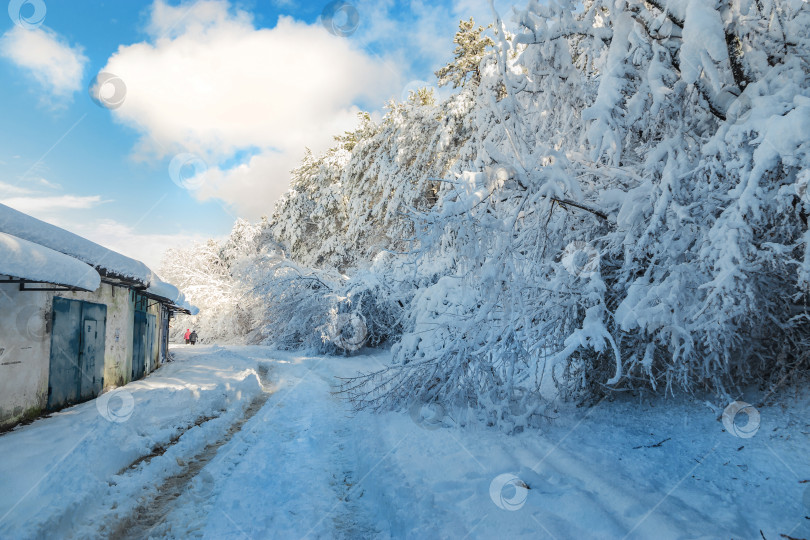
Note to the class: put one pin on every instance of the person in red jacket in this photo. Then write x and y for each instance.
(187, 337)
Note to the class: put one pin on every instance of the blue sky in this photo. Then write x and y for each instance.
(235, 89)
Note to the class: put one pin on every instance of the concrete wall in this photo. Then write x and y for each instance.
(25, 345)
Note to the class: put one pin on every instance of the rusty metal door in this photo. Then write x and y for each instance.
(94, 317)
(77, 352)
(139, 346)
(144, 352)
(151, 343)
(64, 374)
(164, 335)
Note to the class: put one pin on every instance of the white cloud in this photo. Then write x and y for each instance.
(423, 32)
(47, 57)
(26, 186)
(147, 248)
(254, 185)
(45, 183)
(13, 190)
(210, 83)
(38, 204)
(36, 196)
(60, 211)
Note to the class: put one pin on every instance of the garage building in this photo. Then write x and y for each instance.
(76, 319)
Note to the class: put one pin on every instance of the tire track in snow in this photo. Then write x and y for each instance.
(348, 520)
(292, 473)
(151, 514)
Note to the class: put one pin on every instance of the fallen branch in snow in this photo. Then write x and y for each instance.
(656, 445)
(593, 211)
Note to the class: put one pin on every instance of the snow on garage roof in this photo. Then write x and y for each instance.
(106, 261)
(158, 287)
(25, 260)
(188, 308)
(162, 289)
(109, 263)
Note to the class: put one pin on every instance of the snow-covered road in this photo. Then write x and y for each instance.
(245, 442)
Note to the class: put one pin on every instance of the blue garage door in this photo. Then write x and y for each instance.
(164, 335)
(77, 352)
(143, 344)
(139, 345)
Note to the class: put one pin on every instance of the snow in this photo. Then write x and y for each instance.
(29, 228)
(34, 231)
(675, 160)
(186, 306)
(26, 260)
(677, 131)
(704, 43)
(162, 289)
(299, 464)
(59, 463)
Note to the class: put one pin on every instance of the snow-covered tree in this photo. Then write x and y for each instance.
(631, 217)
(213, 278)
(619, 202)
(471, 47)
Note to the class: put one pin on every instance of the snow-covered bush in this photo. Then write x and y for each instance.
(323, 310)
(296, 302)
